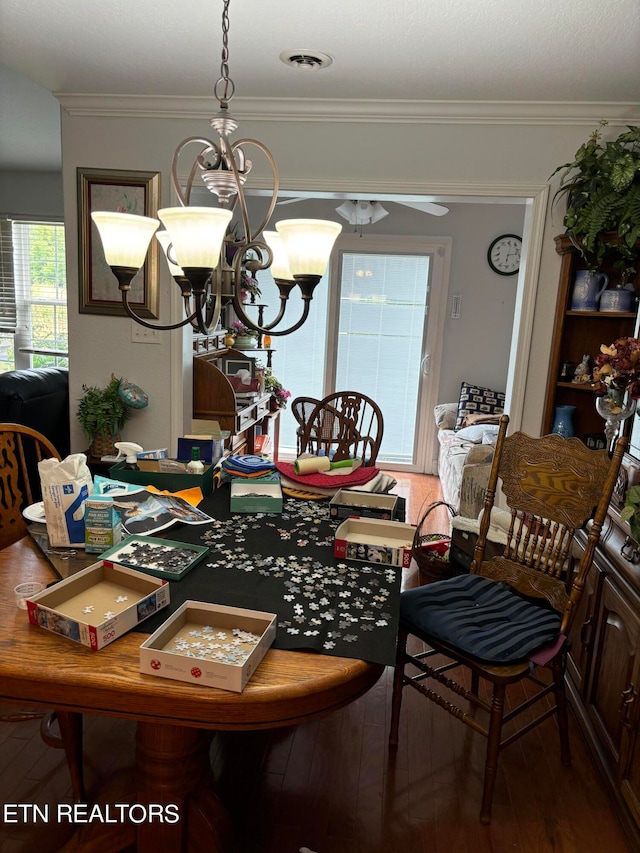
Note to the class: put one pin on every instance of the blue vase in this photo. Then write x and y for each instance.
(563, 421)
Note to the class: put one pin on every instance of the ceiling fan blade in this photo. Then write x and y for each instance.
(290, 200)
(426, 207)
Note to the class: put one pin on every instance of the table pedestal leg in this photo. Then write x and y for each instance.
(174, 768)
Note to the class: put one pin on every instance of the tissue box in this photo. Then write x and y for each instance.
(170, 652)
(350, 502)
(98, 604)
(263, 494)
(151, 475)
(386, 542)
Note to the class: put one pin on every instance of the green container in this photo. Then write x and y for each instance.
(169, 482)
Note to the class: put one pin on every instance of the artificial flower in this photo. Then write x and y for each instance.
(618, 367)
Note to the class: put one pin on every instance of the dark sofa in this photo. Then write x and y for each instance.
(38, 398)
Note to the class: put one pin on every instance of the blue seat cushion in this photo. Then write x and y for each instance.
(485, 619)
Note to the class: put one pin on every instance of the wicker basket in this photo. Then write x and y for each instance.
(431, 550)
(103, 445)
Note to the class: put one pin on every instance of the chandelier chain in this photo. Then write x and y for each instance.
(228, 86)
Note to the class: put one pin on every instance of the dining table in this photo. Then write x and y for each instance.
(300, 678)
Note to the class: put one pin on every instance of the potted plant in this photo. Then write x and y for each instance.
(245, 338)
(102, 412)
(279, 394)
(602, 189)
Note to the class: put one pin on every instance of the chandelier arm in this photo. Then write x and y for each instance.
(213, 306)
(227, 153)
(158, 327)
(209, 147)
(268, 329)
(274, 187)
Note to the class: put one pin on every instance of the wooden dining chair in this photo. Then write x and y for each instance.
(508, 620)
(21, 448)
(344, 425)
(301, 408)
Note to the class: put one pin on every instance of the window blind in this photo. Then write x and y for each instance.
(7, 281)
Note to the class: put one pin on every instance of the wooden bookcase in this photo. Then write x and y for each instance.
(576, 333)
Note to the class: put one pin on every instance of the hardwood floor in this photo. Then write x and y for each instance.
(333, 785)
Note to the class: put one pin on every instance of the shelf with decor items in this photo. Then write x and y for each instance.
(579, 333)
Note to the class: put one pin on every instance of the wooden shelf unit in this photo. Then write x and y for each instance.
(576, 333)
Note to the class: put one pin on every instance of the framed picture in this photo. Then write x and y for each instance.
(231, 366)
(125, 192)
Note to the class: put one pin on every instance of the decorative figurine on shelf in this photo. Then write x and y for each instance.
(582, 373)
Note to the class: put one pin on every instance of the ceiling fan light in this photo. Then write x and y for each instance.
(347, 210)
(308, 244)
(125, 237)
(164, 238)
(196, 233)
(378, 212)
(362, 212)
(280, 264)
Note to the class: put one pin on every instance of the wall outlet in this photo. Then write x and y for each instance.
(456, 303)
(142, 335)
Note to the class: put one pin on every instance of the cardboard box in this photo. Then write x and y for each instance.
(170, 652)
(169, 482)
(119, 599)
(162, 558)
(351, 502)
(102, 524)
(211, 449)
(260, 495)
(373, 541)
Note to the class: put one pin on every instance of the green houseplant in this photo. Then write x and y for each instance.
(602, 189)
(631, 511)
(102, 412)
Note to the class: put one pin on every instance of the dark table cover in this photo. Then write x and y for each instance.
(284, 564)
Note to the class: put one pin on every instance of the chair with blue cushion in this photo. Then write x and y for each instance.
(509, 618)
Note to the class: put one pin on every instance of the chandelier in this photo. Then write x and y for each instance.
(195, 239)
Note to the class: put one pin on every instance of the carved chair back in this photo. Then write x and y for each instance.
(21, 448)
(345, 425)
(552, 486)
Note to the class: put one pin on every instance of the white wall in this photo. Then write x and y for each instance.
(337, 153)
(31, 194)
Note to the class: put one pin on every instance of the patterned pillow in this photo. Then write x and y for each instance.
(478, 401)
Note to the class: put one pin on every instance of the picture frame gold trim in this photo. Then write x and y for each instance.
(128, 192)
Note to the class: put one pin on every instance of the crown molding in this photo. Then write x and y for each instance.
(371, 111)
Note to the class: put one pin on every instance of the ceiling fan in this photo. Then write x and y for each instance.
(361, 211)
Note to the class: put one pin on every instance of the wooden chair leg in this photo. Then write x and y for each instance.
(558, 669)
(398, 675)
(493, 750)
(70, 739)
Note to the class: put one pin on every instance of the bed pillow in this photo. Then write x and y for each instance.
(476, 433)
(478, 401)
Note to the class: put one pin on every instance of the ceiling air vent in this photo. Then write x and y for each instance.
(306, 60)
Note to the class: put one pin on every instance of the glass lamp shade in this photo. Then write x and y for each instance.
(164, 238)
(196, 233)
(125, 237)
(308, 243)
(280, 265)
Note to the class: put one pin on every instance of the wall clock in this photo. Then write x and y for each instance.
(504, 254)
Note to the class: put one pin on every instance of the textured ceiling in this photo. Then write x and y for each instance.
(496, 50)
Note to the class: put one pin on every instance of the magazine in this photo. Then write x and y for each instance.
(147, 512)
(143, 511)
